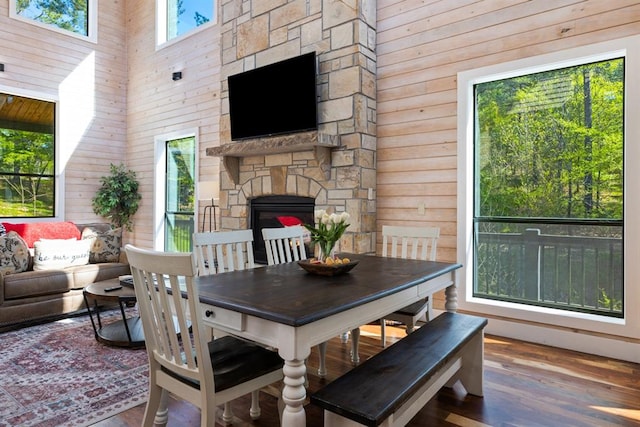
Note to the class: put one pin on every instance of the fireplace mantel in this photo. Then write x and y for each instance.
(321, 145)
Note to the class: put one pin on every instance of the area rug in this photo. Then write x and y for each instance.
(57, 374)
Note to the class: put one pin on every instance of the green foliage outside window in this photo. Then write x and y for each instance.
(26, 174)
(550, 144)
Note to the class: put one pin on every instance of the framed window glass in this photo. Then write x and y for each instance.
(179, 17)
(75, 17)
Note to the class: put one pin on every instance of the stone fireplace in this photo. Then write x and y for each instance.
(334, 166)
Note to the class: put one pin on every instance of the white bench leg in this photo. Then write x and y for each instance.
(471, 374)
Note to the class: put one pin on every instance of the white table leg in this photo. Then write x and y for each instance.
(451, 298)
(294, 394)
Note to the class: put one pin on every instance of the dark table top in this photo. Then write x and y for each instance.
(287, 294)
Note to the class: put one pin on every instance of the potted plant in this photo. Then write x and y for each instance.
(118, 197)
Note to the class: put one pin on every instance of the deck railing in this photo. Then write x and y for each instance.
(567, 272)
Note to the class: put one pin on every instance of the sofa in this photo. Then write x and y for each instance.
(44, 267)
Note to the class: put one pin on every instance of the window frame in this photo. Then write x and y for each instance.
(161, 25)
(58, 175)
(92, 27)
(629, 325)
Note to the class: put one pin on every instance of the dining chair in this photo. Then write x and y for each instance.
(286, 244)
(182, 360)
(409, 243)
(220, 251)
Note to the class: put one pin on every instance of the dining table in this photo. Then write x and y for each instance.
(291, 310)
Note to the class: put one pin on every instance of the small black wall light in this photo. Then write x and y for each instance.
(1, 68)
(176, 76)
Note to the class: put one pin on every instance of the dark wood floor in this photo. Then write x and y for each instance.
(525, 385)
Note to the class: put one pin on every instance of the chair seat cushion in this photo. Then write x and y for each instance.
(236, 361)
(414, 309)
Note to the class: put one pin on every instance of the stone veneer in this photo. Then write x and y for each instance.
(335, 165)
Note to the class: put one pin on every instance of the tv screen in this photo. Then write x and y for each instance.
(276, 99)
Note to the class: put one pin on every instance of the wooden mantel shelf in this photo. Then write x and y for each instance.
(320, 144)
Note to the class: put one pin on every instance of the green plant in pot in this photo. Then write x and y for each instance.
(118, 197)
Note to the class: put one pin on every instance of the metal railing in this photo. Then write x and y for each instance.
(575, 273)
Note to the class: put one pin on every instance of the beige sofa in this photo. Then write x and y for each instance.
(43, 289)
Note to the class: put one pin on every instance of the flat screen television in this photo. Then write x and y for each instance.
(276, 99)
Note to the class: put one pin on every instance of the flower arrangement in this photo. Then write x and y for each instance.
(328, 230)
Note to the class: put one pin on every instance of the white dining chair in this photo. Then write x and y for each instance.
(220, 251)
(182, 360)
(409, 243)
(286, 244)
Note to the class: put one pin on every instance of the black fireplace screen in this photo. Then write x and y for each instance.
(277, 211)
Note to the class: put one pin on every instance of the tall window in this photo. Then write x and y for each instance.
(546, 182)
(179, 17)
(71, 16)
(27, 157)
(549, 188)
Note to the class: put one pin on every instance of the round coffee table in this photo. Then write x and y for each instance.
(125, 332)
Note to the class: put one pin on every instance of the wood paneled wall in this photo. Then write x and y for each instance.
(421, 47)
(89, 80)
(157, 105)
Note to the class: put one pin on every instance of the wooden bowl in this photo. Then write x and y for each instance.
(326, 270)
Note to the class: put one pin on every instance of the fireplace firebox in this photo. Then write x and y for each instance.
(277, 211)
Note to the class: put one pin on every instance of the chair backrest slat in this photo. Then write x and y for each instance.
(221, 251)
(410, 242)
(285, 244)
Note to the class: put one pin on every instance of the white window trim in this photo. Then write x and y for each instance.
(539, 319)
(161, 25)
(93, 22)
(160, 159)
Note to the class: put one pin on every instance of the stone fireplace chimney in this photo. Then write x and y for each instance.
(336, 165)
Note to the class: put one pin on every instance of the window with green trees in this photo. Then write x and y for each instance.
(69, 15)
(27, 157)
(548, 196)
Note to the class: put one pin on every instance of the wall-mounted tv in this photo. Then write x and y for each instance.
(276, 99)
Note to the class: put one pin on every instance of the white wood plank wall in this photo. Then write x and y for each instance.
(422, 45)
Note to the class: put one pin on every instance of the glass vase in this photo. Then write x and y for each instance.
(325, 249)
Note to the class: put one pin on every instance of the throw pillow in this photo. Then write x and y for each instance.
(105, 245)
(14, 254)
(58, 254)
(34, 231)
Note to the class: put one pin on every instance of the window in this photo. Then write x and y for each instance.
(179, 17)
(27, 157)
(548, 188)
(76, 17)
(546, 220)
(176, 166)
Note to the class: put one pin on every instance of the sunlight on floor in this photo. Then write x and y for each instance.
(464, 421)
(632, 414)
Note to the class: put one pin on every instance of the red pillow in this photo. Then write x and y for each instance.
(34, 231)
(287, 221)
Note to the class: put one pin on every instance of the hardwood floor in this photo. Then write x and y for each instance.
(525, 385)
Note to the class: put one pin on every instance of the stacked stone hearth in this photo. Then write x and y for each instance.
(335, 165)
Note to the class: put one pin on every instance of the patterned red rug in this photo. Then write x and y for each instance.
(57, 374)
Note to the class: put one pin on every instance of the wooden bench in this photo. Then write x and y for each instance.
(391, 387)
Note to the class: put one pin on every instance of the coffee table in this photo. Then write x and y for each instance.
(125, 332)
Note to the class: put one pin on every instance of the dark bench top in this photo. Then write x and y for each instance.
(373, 390)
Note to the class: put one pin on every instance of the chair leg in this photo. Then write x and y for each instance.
(344, 337)
(383, 333)
(322, 368)
(227, 413)
(355, 344)
(254, 411)
(153, 403)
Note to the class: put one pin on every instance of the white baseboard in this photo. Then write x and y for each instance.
(562, 338)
